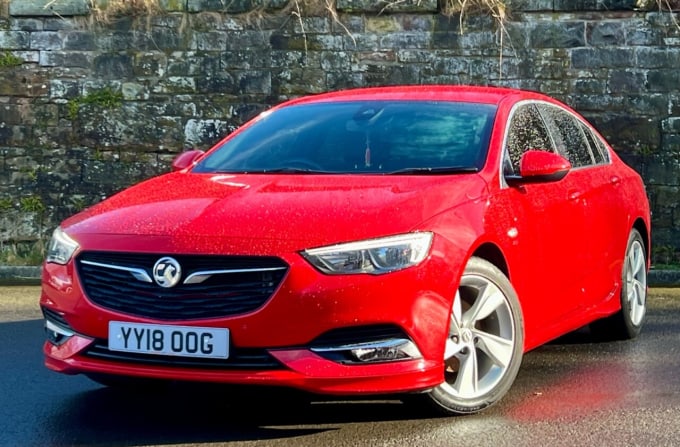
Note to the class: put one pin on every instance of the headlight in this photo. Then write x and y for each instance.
(61, 248)
(374, 256)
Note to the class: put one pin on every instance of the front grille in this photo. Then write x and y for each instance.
(108, 281)
(239, 358)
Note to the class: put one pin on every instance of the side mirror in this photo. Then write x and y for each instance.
(186, 159)
(540, 166)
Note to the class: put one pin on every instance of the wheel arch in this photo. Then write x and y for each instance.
(491, 253)
(641, 227)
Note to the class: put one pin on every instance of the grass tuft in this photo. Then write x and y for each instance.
(667, 5)
(495, 8)
(103, 11)
(22, 253)
(105, 98)
(7, 59)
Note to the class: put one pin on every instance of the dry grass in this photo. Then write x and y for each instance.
(667, 5)
(22, 253)
(495, 8)
(662, 5)
(103, 11)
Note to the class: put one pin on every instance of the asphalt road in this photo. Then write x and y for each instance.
(571, 392)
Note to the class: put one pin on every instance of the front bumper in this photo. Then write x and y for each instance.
(288, 329)
(302, 369)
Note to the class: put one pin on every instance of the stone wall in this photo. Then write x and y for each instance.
(91, 104)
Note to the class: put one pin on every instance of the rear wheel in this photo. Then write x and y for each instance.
(484, 346)
(627, 322)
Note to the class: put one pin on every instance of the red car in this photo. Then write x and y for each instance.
(412, 240)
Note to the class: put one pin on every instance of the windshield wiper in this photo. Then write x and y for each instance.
(272, 171)
(290, 171)
(438, 170)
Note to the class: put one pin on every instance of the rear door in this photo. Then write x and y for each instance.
(593, 188)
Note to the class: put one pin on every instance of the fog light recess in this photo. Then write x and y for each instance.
(373, 352)
(56, 334)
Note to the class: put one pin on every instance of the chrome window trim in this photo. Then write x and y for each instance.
(511, 114)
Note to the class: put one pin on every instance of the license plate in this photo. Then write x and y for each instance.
(159, 339)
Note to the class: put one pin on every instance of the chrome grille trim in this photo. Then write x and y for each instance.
(139, 274)
(199, 277)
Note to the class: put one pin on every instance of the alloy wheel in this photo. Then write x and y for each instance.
(636, 282)
(480, 345)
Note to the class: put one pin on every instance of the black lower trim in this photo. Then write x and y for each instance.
(55, 317)
(239, 358)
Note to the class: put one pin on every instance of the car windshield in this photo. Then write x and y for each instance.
(379, 137)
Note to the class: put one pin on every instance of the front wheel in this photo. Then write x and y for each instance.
(484, 346)
(627, 322)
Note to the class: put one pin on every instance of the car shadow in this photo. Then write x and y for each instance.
(195, 413)
(44, 408)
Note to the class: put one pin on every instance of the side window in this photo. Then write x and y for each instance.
(594, 148)
(569, 137)
(601, 146)
(527, 131)
(603, 149)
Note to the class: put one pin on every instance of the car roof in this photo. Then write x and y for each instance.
(460, 93)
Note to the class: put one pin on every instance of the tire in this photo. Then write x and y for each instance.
(484, 347)
(627, 322)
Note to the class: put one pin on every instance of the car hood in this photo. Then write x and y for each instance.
(302, 210)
